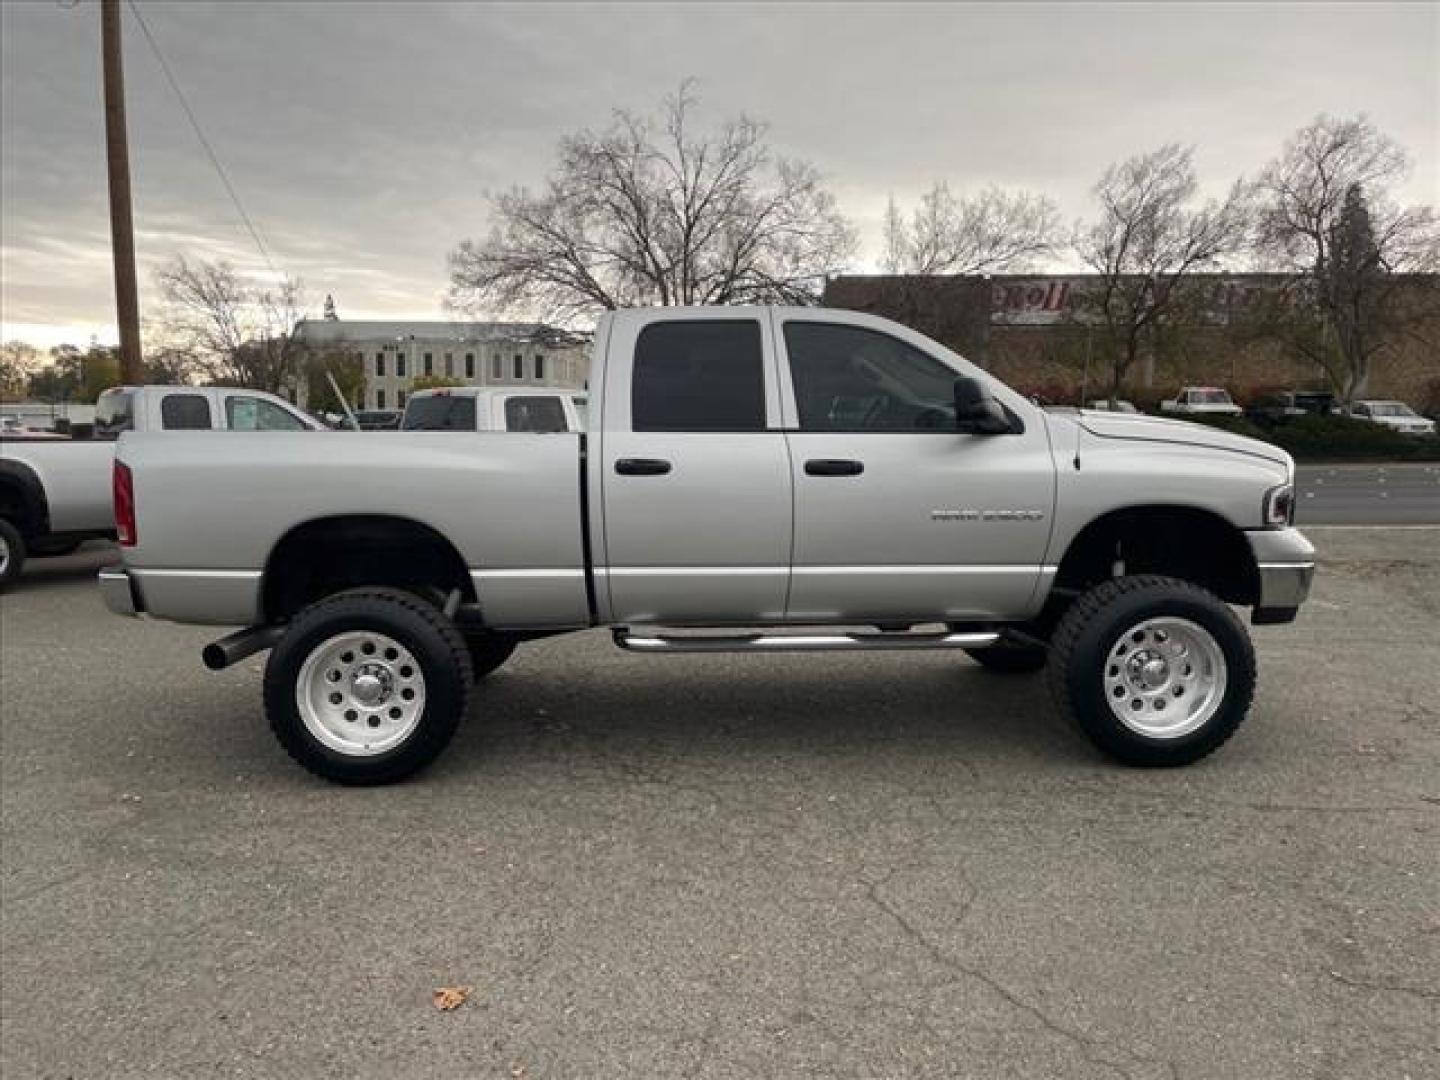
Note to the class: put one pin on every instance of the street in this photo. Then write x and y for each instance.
(867, 865)
(1368, 494)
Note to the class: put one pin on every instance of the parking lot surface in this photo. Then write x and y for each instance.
(859, 866)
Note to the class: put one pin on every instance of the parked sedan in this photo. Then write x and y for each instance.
(1393, 414)
(1120, 405)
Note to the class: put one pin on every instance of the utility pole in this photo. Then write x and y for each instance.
(122, 227)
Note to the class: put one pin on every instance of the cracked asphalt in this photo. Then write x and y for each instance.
(857, 866)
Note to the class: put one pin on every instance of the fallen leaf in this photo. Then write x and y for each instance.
(446, 998)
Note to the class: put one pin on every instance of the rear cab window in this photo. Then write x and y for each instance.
(440, 412)
(185, 412)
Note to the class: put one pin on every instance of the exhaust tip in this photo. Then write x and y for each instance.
(214, 657)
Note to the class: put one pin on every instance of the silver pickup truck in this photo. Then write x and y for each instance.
(755, 480)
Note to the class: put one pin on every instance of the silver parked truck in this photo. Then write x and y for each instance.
(750, 480)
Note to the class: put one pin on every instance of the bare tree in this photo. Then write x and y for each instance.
(1327, 217)
(1145, 244)
(996, 231)
(238, 332)
(19, 361)
(650, 212)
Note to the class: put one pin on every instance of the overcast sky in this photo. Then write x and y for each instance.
(363, 138)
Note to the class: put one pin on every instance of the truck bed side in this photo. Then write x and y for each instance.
(211, 509)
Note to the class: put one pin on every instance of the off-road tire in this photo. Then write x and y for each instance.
(420, 627)
(14, 554)
(1094, 623)
(1005, 659)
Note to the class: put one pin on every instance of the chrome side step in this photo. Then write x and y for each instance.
(800, 642)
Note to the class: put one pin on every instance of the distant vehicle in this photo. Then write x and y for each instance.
(1277, 406)
(378, 419)
(14, 427)
(475, 408)
(1121, 405)
(1201, 400)
(55, 492)
(1395, 415)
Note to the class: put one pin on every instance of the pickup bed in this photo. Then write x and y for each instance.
(750, 479)
(55, 492)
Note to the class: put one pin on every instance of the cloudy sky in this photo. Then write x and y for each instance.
(363, 138)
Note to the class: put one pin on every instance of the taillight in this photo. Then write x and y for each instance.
(123, 486)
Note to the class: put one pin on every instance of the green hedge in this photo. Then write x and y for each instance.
(1334, 438)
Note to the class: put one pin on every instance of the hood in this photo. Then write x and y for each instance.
(1108, 425)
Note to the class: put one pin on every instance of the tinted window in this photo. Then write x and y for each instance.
(534, 414)
(256, 414)
(699, 376)
(440, 412)
(114, 413)
(185, 412)
(848, 378)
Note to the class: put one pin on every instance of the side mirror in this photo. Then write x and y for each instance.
(976, 412)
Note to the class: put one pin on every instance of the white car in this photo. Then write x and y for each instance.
(1195, 400)
(1393, 414)
(1121, 405)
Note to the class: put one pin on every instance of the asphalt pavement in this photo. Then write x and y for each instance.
(1367, 494)
(873, 865)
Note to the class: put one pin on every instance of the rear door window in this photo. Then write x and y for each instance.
(534, 414)
(440, 412)
(701, 375)
(185, 412)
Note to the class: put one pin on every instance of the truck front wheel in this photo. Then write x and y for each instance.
(367, 686)
(12, 553)
(1154, 670)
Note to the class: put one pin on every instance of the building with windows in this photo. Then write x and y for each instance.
(500, 354)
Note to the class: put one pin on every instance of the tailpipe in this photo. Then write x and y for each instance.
(235, 647)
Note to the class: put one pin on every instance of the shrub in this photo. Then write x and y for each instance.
(1333, 438)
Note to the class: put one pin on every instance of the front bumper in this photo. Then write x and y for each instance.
(118, 591)
(1285, 561)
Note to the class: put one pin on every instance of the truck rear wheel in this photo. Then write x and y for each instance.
(12, 553)
(1154, 670)
(367, 686)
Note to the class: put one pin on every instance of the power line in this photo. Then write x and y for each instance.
(200, 134)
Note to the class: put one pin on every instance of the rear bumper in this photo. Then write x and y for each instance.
(118, 591)
(1285, 561)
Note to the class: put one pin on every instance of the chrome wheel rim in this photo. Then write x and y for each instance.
(1165, 677)
(360, 693)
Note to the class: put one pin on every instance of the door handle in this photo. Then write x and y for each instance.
(833, 467)
(641, 466)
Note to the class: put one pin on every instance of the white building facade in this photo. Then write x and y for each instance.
(395, 354)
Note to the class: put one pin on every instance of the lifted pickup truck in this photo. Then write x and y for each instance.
(757, 480)
(55, 493)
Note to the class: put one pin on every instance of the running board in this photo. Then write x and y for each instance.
(809, 642)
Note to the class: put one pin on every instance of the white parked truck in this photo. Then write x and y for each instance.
(476, 408)
(55, 493)
(750, 480)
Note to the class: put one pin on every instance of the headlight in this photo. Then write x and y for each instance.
(1279, 508)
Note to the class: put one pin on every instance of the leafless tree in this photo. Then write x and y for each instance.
(996, 231)
(1144, 246)
(1327, 217)
(238, 332)
(650, 212)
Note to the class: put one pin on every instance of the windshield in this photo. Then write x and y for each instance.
(114, 413)
(439, 412)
